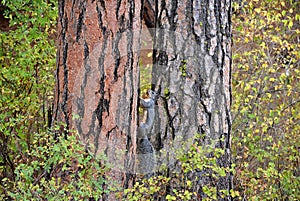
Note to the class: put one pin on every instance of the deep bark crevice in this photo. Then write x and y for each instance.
(80, 20)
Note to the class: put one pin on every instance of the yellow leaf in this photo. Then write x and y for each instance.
(257, 10)
(290, 24)
(272, 79)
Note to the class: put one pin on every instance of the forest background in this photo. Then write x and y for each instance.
(265, 110)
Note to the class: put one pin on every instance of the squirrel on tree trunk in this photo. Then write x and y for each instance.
(145, 151)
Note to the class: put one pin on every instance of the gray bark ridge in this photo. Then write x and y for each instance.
(145, 152)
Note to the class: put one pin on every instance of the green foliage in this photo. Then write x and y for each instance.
(266, 91)
(27, 56)
(57, 170)
(194, 166)
(266, 120)
(146, 189)
(145, 80)
(34, 166)
(182, 68)
(145, 74)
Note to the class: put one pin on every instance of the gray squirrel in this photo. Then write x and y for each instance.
(145, 151)
(148, 104)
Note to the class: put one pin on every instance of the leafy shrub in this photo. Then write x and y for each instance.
(266, 117)
(27, 56)
(32, 164)
(266, 91)
(57, 170)
(188, 178)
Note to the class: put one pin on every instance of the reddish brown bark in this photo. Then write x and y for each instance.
(97, 76)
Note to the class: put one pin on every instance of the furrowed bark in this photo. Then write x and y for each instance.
(98, 77)
(192, 68)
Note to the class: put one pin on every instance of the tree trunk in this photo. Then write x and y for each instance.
(192, 69)
(98, 77)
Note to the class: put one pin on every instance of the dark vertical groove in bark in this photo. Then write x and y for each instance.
(116, 53)
(86, 52)
(130, 50)
(220, 67)
(73, 4)
(99, 110)
(56, 110)
(103, 4)
(156, 11)
(129, 64)
(170, 119)
(155, 44)
(81, 98)
(230, 36)
(173, 14)
(118, 8)
(148, 13)
(97, 114)
(63, 104)
(162, 8)
(219, 40)
(144, 12)
(131, 13)
(206, 26)
(80, 19)
(100, 22)
(65, 84)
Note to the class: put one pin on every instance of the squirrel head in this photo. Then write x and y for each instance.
(152, 94)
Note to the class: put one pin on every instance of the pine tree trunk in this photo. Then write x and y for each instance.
(192, 68)
(98, 77)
